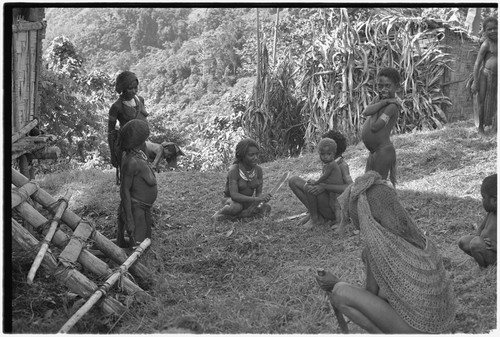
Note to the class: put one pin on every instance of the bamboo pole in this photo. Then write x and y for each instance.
(69, 277)
(104, 288)
(24, 130)
(87, 259)
(105, 245)
(23, 193)
(48, 237)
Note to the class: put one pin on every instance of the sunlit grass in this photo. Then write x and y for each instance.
(257, 276)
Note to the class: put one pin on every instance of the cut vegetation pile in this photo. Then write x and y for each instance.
(257, 276)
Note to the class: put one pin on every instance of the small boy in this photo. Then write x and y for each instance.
(382, 115)
(483, 246)
(138, 189)
(331, 174)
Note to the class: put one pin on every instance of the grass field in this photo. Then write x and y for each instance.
(257, 276)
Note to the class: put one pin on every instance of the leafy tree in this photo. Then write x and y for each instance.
(73, 102)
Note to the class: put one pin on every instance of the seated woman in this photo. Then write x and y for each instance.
(406, 288)
(317, 197)
(244, 185)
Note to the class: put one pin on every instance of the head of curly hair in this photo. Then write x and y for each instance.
(339, 139)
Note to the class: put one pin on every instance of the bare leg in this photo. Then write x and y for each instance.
(297, 185)
(369, 311)
(481, 253)
(481, 95)
(383, 159)
(464, 243)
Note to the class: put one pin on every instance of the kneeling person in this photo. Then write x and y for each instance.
(483, 246)
(244, 185)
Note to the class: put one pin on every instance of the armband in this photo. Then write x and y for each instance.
(385, 118)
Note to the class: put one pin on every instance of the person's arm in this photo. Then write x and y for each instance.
(157, 149)
(258, 192)
(379, 123)
(481, 226)
(128, 172)
(477, 65)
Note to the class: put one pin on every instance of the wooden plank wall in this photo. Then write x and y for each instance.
(26, 60)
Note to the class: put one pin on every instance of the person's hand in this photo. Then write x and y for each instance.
(326, 280)
(316, 189)
(391, 100)
(130, 225)
(473, 87)
(489, 244)
(311, 182)
(264, 197)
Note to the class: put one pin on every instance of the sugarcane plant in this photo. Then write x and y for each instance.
(338, 72)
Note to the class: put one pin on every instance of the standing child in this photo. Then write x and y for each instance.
(483, 246)
(331, 174)
(138, 190)
(382, 115)
(485, 75)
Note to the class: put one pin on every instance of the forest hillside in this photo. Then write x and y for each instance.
(211, 76)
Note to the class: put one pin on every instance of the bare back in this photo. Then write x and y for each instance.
(331, 174)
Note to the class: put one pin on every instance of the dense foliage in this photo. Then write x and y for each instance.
(213, 75)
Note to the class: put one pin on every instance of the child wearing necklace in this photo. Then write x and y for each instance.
(138, 189)
(244, 184)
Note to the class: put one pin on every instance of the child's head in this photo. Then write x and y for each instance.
(327, 148)
(134, 133)
(388, 81)
(489, 193)
(127, 84)
(339, 140)
(490, 28)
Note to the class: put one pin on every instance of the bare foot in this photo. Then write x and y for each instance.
(305, 219)
(312, 223)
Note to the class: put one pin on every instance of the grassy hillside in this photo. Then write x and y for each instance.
(257, 276)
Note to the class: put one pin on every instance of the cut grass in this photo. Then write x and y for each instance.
(257, 276)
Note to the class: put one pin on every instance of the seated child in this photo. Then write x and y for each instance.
(244, 185)
(331, 174)
(483, 246)
(138, 189)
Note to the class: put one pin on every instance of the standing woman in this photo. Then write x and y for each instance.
(406, 288)
(486, 75)
(244, 184)
(129, 106)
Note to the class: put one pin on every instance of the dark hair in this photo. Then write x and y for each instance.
(339, 139)
(329, 143)
(391, 74)
(489, 185)
(242, 148)
(488, 20)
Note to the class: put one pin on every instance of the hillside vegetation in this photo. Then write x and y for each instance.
(257, 276)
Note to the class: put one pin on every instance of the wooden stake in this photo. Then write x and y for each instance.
(102, 291)
(48, 237)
